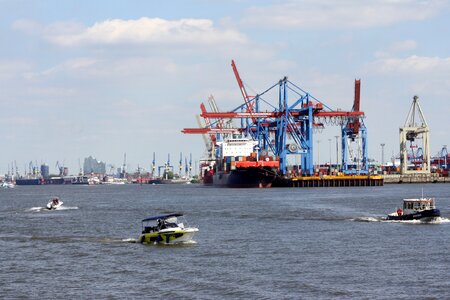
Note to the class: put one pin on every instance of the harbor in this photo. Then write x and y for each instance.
(259, 152)
(225, 150)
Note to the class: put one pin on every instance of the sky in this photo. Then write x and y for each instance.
(104, 78)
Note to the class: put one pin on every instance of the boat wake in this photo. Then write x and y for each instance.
(368, 219)
(67, 207)
(40, 208)
(130, 240)
(438, 220)
(177, 244)
(135, 241)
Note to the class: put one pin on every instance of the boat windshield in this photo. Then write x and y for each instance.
(418, 204)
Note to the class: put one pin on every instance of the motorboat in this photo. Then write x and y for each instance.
(416, 209)
(166, 229)
(7, 185)
(54, 203)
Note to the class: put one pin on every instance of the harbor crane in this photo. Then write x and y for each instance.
(167, 168)
(285, 126)
(444, 155)
(415, 128)
(354, 132)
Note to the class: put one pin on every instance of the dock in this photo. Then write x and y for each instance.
(415, 178)
(330, 181)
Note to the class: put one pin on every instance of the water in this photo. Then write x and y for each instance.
(294, 243)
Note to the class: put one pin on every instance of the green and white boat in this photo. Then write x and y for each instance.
(166, 229)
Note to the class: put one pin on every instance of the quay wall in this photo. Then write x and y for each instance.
(415, 178)
(330, 181)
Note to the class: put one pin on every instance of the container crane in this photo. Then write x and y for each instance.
(293, 115)
(354, 130)
(153, 165)
(444, 155)
(167, 168)
(180, 164)
(123, 172)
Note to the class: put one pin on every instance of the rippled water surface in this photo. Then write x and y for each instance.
(253, 243)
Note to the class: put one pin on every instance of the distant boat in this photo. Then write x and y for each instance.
(54, 203)
(7, 185)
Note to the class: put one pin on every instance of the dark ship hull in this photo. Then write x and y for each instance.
(421, 215)
(244, 178)
(28, 181)
(54, 180)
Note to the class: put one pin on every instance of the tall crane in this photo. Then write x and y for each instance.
(123, 172)
(180, 164)
(153, 165)
(353, 131)
(283, 126)
(415, 128)
(444, 155)
(248, 103)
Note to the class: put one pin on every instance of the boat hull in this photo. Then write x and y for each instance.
(54, 206)
(244, 178)
(420, 215)
(34, 181)
(175, 236)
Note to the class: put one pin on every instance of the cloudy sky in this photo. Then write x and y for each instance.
(102, 78)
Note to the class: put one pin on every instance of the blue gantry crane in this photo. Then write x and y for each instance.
(285, 126)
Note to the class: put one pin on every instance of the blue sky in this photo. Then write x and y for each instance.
(101, 78)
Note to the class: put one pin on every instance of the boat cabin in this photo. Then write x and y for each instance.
(162, 222)
(411, 206)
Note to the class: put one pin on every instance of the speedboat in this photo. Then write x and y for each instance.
(7, 185)
(54, 203)
(416, 209)
(166, 229)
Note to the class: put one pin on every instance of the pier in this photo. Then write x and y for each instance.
(415, 178)
(330, 181)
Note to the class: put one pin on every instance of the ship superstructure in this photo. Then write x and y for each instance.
(239, 164)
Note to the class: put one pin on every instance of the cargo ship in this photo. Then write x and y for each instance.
(239, 165)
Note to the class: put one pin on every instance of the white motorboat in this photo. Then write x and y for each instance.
(54, 203)
(7, 185)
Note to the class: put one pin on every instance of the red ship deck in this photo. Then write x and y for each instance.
(256, 164)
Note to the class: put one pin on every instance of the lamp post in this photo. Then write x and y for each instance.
(382, 153)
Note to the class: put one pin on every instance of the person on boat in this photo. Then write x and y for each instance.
(399, 212)
(158, 223)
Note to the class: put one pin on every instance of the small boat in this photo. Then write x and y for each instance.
(7, 185)
(165, 230)
(54, 203)
(416, 209)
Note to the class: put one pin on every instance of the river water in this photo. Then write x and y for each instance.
(289, 243)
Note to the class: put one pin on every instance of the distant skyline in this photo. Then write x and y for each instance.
(101, 78)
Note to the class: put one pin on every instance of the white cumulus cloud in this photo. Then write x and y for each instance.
(412, 64)
(139, 31)
(326, 14)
